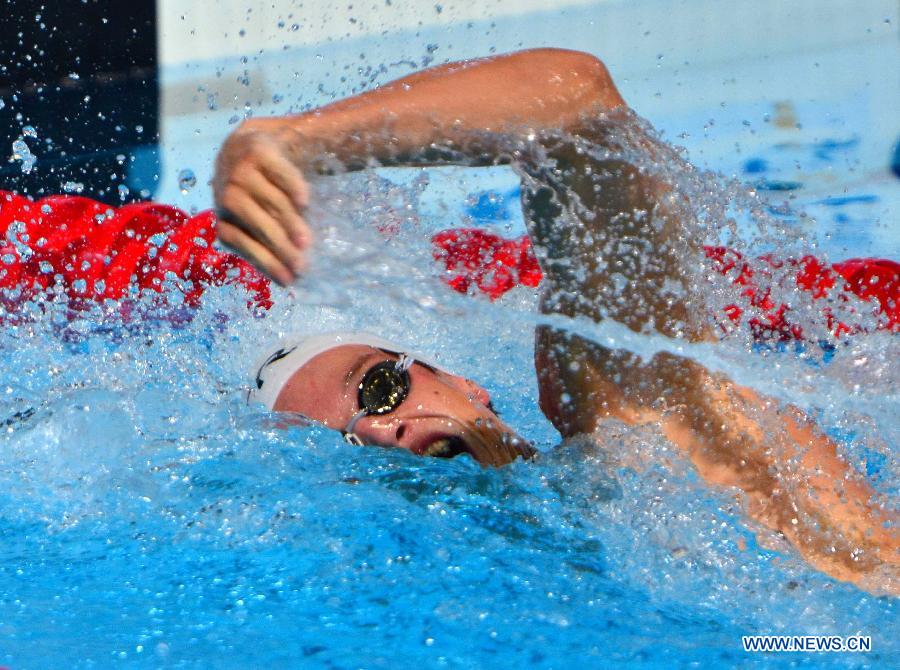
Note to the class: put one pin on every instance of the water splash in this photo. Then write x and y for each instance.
(21, 152)
(137, 477)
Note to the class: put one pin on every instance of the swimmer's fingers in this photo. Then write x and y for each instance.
(257, 254)
(253, 164)
(287, 177)
(279, 205)
(253, 218)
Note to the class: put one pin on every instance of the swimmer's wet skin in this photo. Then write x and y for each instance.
(553, 115)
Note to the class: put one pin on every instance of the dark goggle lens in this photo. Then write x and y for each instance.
(383, 388)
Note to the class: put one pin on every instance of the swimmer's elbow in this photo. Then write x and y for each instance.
(587, 76)
(602, 91)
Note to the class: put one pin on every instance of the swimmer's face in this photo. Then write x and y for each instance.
(444, 415)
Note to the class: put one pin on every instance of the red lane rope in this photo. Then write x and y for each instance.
(479, 260)
(95, 252)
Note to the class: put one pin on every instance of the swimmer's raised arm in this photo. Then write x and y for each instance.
(617, 242)
(453, 113)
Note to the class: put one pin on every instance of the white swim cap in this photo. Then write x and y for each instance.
(272, 372)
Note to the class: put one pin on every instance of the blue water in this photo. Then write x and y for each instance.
(152, 524)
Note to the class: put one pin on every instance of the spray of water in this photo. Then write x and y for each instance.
(130, 437)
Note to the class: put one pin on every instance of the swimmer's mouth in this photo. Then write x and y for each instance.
(448, 447)
(495, 452)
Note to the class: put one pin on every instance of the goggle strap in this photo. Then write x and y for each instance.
(352, 425)
(405, 362)
(352, 438)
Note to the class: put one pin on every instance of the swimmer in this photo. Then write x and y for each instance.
(488, 112)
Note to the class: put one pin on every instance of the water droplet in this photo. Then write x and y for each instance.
(186, 180)
(29, 131)
(21, 152)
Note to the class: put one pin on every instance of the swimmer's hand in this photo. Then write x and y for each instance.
(260, 196)
(459, 113)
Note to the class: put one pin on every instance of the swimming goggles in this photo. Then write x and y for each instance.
(382, 390)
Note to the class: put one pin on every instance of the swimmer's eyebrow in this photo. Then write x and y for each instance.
(416, 361)
(359, 364)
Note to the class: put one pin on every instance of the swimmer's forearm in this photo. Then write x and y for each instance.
(795, 482)
(463, 113)
(455, 112)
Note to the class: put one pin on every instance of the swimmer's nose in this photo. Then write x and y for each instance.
(472, 390)
(478, 393)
